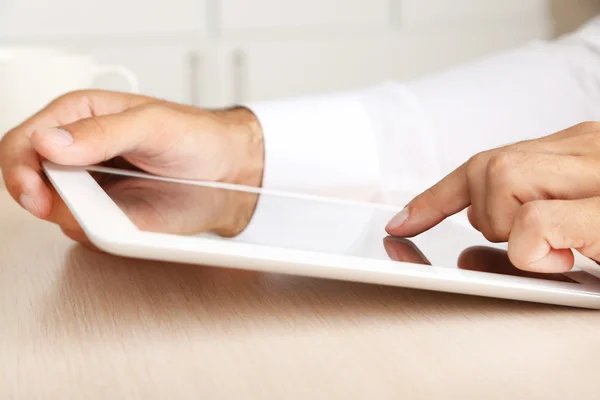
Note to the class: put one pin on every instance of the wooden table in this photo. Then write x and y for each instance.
(84, 325)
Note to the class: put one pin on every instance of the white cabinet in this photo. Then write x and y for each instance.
(174, 73)
(269, 69)
(77, 17)
(468, 11)
(245, 14)
(251, 54)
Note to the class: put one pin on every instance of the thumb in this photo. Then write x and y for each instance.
(93, 140)
(544, 232)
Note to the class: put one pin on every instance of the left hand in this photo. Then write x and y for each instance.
(125, 130)
(540, 196)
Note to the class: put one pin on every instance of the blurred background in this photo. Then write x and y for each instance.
(219, 52)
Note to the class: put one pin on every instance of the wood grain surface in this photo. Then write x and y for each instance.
(76, 324)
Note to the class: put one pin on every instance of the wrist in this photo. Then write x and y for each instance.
(246, 146)
(247, 160)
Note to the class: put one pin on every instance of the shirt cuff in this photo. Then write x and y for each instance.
(317, 142)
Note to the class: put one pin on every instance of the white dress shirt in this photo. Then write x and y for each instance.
(406, 136)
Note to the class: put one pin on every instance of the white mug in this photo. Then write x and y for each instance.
(31, 77)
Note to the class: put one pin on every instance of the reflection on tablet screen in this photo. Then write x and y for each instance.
(297, 223)
(476, 258)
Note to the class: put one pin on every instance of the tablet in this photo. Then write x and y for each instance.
(133, 214)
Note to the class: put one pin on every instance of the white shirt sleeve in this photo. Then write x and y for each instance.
(406, 136)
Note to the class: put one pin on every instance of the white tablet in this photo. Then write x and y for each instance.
(137, 215)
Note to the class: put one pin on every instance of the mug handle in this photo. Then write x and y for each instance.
(126, 73)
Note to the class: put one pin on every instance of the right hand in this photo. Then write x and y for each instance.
(162, 138)
(541, 196)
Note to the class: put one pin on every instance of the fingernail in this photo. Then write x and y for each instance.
(28, 203)
(59, 137)
(398, 220)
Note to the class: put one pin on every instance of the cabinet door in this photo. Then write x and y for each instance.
(236, 14)
(174, 73)
(75, 17)
(469, 11)
(272, 69)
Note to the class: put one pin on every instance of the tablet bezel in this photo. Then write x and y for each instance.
(112, 231)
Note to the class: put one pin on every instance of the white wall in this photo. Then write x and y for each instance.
(217, 52)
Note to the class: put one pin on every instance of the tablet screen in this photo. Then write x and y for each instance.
(299, 222)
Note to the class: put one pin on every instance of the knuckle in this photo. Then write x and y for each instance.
(77, 94)
(153, 110)
(94, 126)
(480, 217)
(428, 201)
(499, 225)
(586, 136)
(492, 237)
(71, 96)
(95, 133)
(589, 247)
(431, 192)
(473, 218)
(588, 126)
(476, 164)
(531, 217)
(159, 116)
(492, 234)
(585, 219)
(5, 149)
(500, 165)
(12, 181)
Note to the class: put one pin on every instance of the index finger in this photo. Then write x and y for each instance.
(447, 197)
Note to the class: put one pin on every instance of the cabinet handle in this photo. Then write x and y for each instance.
(194, 61)
(395, 7)
(239, 62)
